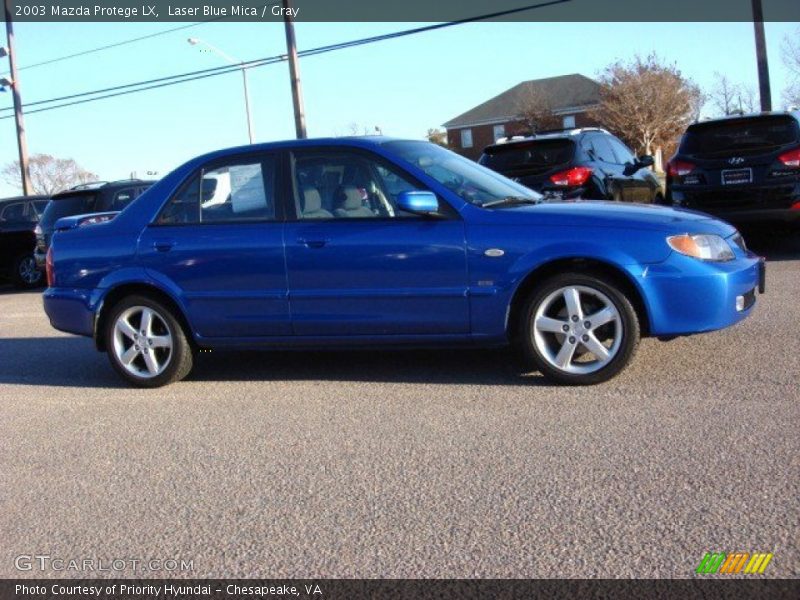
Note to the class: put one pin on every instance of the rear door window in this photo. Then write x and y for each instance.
(541, 154)
(740, 135)
(121, 198)
(240, 190)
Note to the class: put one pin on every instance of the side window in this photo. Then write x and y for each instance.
(347, 185)
(602, 150)
(624, 155)
(122, 198)
(243, 190)
(13, 212)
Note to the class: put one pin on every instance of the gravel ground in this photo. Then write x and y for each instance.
(412, 464)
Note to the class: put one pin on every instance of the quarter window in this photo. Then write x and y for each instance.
(237, 191)
(13, 212)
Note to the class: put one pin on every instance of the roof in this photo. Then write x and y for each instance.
(753, 115)
(564, 92)
(94, 186)
(18, 198)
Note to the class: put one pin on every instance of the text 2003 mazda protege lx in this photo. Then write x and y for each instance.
(385, 243)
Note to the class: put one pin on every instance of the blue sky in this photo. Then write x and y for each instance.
(405, 86)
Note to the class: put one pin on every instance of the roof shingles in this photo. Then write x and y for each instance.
(562, 92)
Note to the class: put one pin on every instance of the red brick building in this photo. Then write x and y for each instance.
(568, 96)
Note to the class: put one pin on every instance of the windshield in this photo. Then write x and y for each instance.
(738, 135)
(66, 206)
(527, 156)
(470, 181)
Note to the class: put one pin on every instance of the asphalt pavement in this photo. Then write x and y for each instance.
(405, 464)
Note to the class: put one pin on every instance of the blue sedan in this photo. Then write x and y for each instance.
(375, 242)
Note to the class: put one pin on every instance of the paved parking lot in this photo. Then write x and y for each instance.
(424, 464)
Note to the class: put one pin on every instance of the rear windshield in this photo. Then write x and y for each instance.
(66, 206)
(536, 154)
(740, 135)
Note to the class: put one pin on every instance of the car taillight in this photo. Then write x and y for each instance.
(679, 168)
(95, 219)
(572, 177)
(791, 158)
(795, 206)
(48, 264)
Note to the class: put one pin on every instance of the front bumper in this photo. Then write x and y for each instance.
(685, 295)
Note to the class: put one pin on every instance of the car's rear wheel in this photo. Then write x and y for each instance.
(579, 329)
(146, 344)
(25, 273)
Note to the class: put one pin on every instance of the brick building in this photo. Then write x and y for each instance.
(568, 96)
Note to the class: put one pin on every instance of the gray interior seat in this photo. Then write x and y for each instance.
(349, 203)
(312, 205)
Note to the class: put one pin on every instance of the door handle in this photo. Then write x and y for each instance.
(163, 246)
(313, 243)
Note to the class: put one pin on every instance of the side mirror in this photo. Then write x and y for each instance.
(418, 202)
(645, 161)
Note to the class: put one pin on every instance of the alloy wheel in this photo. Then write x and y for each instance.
(143, 343)
(28, 272)
(577, 329)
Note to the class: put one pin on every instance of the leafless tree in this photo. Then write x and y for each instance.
(537, 113)
(437, 136)
(647, 103)
(791, 58)
(49, 174)
(729, 97)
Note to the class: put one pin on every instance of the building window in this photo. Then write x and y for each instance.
(466, 138)
(498, 131)
(569, 122)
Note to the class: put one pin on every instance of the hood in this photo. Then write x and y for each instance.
(618, 215)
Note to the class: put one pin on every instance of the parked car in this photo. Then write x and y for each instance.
(94, 197)
(384, 243)
(743, 169)
(18, 217)
(576, 163)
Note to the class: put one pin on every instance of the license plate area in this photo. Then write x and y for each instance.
(737, 176)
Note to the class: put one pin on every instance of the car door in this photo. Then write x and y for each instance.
(219, 240)
(16, 231)
(357, 266)
(637, 189)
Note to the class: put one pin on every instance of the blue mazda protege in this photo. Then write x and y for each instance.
(385, 243)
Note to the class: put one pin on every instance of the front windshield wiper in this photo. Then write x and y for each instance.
(510, 201)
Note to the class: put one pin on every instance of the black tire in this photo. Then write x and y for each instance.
(180, 361)
(24, 274)
(627, 319)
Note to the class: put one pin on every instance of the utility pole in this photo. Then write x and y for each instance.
(21, 142)
(294, 72)
(761, 57)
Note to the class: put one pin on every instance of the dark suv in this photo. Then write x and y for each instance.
(576, 163)
(743, 169)
(95, 197)
(18, 217)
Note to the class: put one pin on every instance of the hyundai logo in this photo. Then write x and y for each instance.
(736, 160)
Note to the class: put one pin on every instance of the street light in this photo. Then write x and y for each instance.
(198, 42)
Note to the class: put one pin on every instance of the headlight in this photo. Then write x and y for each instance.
(702, 246)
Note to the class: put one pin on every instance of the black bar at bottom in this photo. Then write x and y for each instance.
(707, 588)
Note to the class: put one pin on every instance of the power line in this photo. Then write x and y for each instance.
(50, 61)
(161, 82)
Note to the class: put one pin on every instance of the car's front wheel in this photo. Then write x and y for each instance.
(25, 274)
(146, 344)
(579, 329)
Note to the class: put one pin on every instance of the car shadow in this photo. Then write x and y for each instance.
(73, 362)
(776, 244)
